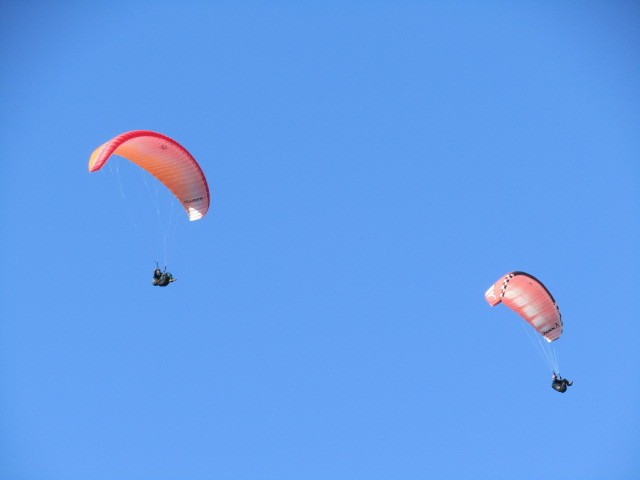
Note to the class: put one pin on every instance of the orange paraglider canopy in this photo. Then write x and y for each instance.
(529, 298)
(166, 160)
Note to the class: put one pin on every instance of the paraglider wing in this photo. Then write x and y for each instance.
(529, 298)
(166, 160)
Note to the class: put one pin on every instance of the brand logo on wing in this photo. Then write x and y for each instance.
(549, 330)
(192, 200)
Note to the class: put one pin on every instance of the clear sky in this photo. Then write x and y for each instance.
(374, 168)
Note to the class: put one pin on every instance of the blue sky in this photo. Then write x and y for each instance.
(374, 168)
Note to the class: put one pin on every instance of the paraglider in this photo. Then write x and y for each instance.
(162, 279)
(529, 298)
(560, 384)
(171, 165)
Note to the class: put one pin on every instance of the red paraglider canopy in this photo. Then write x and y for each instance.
(529, 298)
(166, 160)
